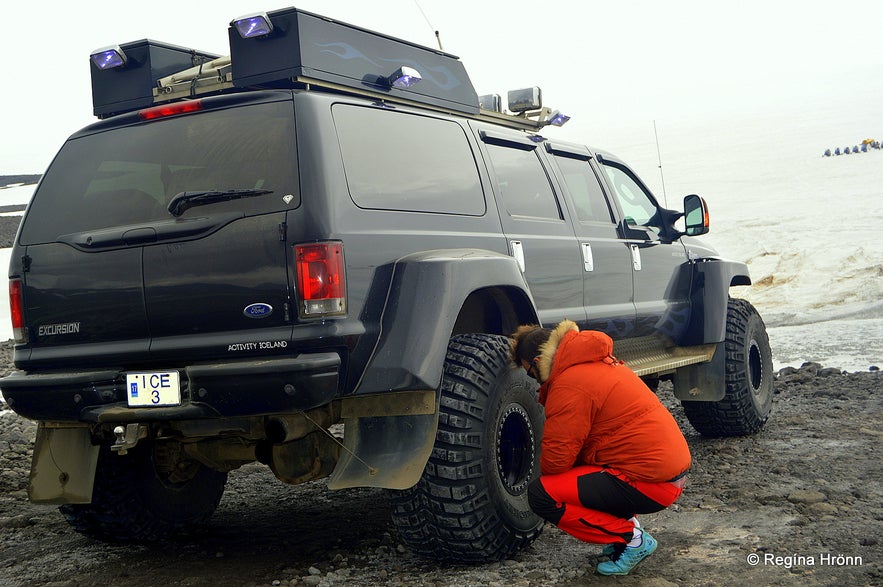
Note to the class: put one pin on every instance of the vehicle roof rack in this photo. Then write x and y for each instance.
(292, 48)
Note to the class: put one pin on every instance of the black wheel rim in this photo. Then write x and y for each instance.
(515, 452)
(755, 367)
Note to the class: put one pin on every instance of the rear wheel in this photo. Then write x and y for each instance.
(147, 494)
(749, 379)
(471, 503)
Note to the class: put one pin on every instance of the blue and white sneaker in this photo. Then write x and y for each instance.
(629, 557)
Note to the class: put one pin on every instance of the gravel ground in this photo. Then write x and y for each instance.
(800, 503)
(8, 227)
(803, 496)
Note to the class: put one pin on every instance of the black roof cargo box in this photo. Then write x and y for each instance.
(122, 89)
(307, 46)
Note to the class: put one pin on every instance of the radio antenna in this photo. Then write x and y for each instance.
(432, 28)
(659, 159)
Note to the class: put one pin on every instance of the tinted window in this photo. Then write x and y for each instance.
(637, 205)
(522, 183)
(584, 188)
(128, 175)
(398, 161)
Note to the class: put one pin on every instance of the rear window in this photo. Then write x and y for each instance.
(398, 161)
(128, 175)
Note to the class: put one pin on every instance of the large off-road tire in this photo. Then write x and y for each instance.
(749, 379)
(471, 503)
(136, 499)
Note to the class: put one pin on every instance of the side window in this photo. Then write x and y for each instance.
(522, 183)
(398, 161)
(637, 205)
(585, 189)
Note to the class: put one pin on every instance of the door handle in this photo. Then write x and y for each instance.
(636, 257)
(517, 251)
(588, 259)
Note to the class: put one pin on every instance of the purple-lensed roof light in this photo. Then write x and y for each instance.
(558, 118)
(108, 57)
(253, 25)
(404, 77)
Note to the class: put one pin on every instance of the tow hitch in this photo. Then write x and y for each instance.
(127, 437)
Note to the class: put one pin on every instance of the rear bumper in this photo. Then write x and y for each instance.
(235, 388)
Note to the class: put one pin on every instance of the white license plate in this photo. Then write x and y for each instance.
(160, 388)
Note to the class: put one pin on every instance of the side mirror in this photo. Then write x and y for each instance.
(695, 215)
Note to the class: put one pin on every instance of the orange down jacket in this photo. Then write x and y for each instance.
(598, 412)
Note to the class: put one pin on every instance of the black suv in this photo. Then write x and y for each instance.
(309, 254)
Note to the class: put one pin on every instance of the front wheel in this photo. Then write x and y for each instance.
(471, 503)
(748, 399)
(148, 494)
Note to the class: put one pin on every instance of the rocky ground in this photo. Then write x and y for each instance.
(8, 226)
(800, 503)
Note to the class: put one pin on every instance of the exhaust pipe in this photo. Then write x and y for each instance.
(288, 427)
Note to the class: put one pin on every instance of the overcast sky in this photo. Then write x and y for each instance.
(612, 65)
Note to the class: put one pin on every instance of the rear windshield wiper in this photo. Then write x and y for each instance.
(186, 200)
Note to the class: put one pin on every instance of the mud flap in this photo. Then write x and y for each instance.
(388, 451)
(63, 466)
(702, 381)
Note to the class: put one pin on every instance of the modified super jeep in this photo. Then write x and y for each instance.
(330, 227)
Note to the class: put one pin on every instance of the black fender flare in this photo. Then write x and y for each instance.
(426, 292)
(712, 279)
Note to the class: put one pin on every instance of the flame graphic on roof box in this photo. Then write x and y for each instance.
(299, 47)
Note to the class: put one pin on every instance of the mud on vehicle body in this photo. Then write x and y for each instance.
(246, 252)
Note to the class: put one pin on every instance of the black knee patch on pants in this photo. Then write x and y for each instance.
(542, 503)
(606, 493)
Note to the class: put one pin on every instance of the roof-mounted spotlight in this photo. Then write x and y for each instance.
(253, 25)
(404, 77)
(108, 57)
(557, 118)
(525, 99)
(492, 102)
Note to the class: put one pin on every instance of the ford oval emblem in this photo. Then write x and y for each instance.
(259, 310)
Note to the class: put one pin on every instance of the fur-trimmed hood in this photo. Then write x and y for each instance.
(567, 346)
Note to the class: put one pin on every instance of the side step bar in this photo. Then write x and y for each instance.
(651, 355)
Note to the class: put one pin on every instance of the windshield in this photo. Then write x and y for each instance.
(130, 175)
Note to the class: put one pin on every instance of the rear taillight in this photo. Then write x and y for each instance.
(321, 279)
(16, 312)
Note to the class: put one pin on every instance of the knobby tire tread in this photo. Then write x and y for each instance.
(448, 514)
(118, 512)
(736, 414)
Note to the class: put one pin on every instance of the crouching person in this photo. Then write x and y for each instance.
(610, 449)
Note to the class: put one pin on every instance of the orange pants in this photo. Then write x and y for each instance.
(594, 504)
